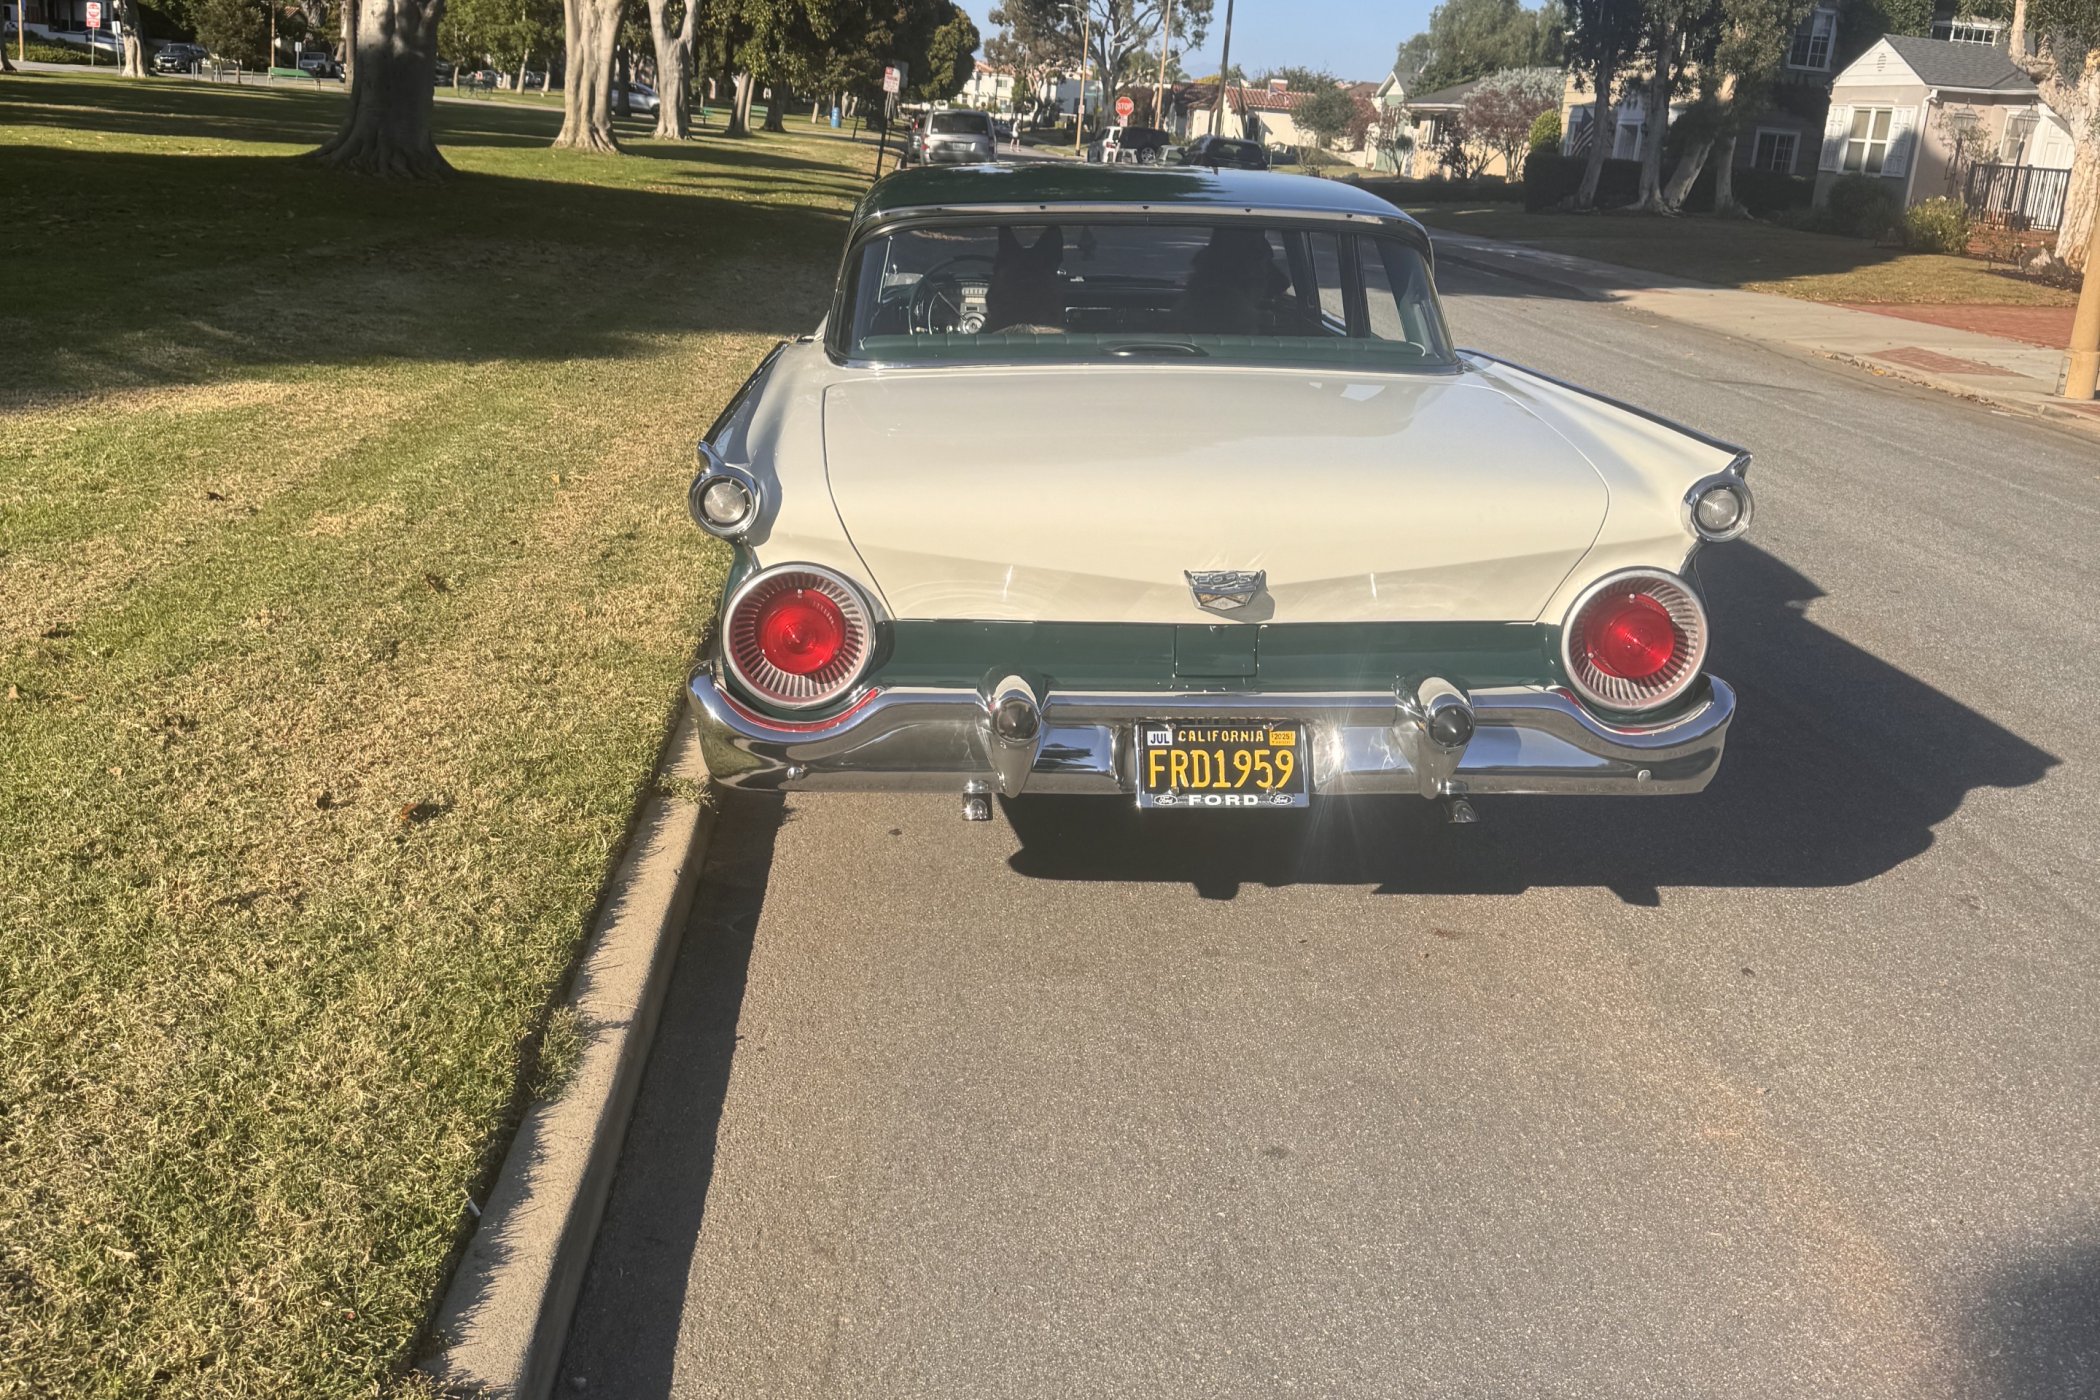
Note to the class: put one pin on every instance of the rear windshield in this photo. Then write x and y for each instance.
(958, 123)
(1244, 291)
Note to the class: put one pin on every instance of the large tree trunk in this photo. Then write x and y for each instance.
(2078, 103)
(2016, 41)
(523, 64)
(1724, 176)
(1600, 142)
(134, 41)
(1649, 200)
(592, 29)
(623, 75)
(776, 107)
(1689, 166)
(739, 122)
(674, 70)
(387, 130)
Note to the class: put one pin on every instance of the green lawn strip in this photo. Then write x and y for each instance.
(355, 635)
(1758, 256)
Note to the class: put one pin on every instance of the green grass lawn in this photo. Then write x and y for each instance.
(1758, 256)
(347, 592)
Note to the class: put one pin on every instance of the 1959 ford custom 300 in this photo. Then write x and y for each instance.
(1168, 483)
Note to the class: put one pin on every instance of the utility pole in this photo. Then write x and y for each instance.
(1086, 42)
(2082, 376)
(1159, 89)
(1217, 116)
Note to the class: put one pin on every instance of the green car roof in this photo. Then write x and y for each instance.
(959, 187)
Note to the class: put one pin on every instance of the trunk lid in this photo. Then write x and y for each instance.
(1084, 493)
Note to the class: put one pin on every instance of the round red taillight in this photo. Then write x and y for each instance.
(797, 636)
(1631, 637)
(1635, 641)
(801, 631)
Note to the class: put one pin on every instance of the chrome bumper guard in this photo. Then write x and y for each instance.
(1525, 739)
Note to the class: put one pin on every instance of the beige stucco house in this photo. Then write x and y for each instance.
(1923, 114)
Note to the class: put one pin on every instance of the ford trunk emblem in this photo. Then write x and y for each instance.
(1225, 590)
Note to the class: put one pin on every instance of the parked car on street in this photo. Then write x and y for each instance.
(1225, 153)
(641, 99)
(1256, 534)
(318, 64)
(958, 137)
(179, 58)
(1146, 145)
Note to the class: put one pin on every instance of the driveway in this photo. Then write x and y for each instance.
(1785, 1090)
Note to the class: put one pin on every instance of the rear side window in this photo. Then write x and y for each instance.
(1239, 290)
(959, 124)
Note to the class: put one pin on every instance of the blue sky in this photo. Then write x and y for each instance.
(1352, 39)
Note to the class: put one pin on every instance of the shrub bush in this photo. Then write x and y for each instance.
(1406, 192)
(1939, 225)
(1545, 132)
(1550, 178)
(1862, 206)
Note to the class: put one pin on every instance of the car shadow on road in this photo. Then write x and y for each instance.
(2035, 1334)
(1839, 766)
(623, 1340)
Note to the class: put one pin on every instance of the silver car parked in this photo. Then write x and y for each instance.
(960, 138)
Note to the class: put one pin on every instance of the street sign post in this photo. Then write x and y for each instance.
(892, 80)
(94, 22)
(894, 76)
(1124, 107)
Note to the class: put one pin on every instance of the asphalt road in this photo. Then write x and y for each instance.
(1791, 1089)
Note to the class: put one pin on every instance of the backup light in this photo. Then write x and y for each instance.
(1718, 508)
(723, 500)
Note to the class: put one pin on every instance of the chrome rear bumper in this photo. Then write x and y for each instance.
(1524, 740)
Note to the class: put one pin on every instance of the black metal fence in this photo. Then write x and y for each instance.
(2024, 196)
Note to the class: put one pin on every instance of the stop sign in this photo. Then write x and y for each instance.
(1124, 107)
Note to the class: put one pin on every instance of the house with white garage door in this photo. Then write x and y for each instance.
(1936, 117)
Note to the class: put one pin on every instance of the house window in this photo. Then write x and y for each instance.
(1964, 30)
(1813, 41)
(1867, 145)
(1775, 150)
(2017, 131)
(1628, 146)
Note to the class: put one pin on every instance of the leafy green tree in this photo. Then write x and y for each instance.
(1603, 36)
(1545, 131)
(1469, 39)
(1500, 112)
(1325, 110)
(233, 29)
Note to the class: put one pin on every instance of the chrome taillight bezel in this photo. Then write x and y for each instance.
(1687, 613)
(766, 683)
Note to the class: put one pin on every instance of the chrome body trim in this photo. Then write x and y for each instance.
(1526, 739)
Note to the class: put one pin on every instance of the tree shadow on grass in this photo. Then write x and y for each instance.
(1838, 768)
(146, 269)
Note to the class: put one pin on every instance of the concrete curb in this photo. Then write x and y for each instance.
(505, 1318)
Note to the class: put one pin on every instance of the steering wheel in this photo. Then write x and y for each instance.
(941, 290)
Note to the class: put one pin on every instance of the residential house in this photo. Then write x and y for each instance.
(989, 88)
(1389, 120)
(1434, 116)
(1952, 117)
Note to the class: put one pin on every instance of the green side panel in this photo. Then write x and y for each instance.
(1224, 652)
(1277, 656)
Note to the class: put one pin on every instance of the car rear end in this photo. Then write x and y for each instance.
(959, 138)
(1271, 582)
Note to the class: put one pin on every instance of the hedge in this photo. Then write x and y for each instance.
(1406, 192)
(1550, 178)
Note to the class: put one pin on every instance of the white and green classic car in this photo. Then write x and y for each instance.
(1168, 483)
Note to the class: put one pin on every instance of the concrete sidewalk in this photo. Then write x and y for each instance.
(1990, 369)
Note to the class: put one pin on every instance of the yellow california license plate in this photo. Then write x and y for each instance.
(1247, 763)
